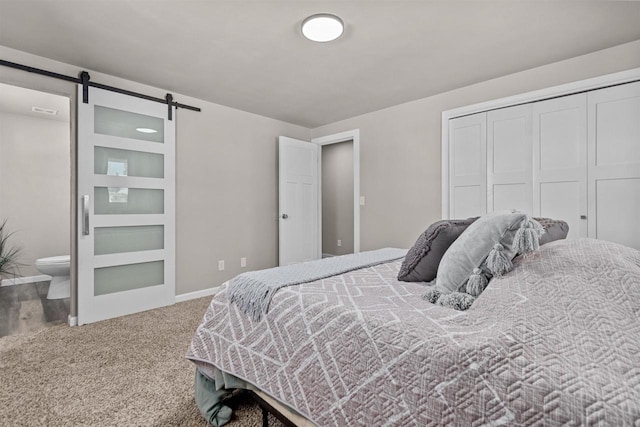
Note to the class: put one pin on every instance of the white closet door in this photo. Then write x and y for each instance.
(467, 166)
(560, 161)
(614, 164)
(509, 182)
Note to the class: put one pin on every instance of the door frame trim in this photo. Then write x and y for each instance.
(571, 88)
(350, 135)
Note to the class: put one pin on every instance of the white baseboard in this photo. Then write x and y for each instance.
(327, 255)
(26, 279)
(73, 320)
(197, 294)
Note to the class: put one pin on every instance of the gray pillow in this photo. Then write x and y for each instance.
(488, 235)
(554, 229)
(421, 262)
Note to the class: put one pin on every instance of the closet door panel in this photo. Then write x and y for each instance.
(617, 132)
(467, 201)
(560, 161)
(511, 196)
(509, 141)
(467, 151)
(561, 134)
(509, 159)
(467, 166)
(561, 200)
(618, 211)
(614, 164)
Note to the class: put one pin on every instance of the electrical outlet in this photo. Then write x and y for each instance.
(361, 200)
(339, 242)
(243, 262)
(221, 265)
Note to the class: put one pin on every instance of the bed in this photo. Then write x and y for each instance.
(556, 341)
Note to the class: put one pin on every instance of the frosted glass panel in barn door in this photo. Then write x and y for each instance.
(126, 220)
(467, 166)
(560, 161)
(614, 164)
(509, 159)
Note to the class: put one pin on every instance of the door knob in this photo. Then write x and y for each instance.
(285, 216)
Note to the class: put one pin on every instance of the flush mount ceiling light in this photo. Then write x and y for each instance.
(322, 27)
(146, 130)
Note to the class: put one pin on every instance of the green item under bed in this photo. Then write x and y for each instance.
(210, 401)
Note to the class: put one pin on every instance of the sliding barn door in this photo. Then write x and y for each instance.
(126, 220)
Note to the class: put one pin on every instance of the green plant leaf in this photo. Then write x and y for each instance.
(9, 254)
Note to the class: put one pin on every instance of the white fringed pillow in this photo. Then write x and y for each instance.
(485, 248)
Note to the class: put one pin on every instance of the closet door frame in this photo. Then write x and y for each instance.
(539, 95)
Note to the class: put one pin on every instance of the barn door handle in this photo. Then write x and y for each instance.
(85, 215)
(285, 216)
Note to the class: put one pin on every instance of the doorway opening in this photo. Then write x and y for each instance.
(35, 202)
(337, 199)
(339, 194)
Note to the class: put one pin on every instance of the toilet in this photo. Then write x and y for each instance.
(58, 268)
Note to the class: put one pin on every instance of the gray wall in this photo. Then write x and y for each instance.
(35, 174)
(337, 198)
(227, 163)
(226, 172)
(227, 192)
(400, 146)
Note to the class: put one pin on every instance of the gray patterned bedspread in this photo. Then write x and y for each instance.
(554, 342)
(253, 291)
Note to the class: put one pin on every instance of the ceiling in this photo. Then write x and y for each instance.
(18, 100)
(250, 55)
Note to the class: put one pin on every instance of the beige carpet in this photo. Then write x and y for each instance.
(129, 371)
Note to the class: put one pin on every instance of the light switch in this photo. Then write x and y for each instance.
(361, 200)
(243, 262)
(221, 265)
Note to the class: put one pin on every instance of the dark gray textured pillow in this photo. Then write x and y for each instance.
(421, 262)
(554, 229)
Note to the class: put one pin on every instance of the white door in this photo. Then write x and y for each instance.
(299, 210)
(509, 159)
(126, 186)
(468, 166)
(614, 164)
(560, 161)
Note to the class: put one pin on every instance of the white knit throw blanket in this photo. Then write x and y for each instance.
(253, 291)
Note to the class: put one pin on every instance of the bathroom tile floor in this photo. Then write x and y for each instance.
(26, 308)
